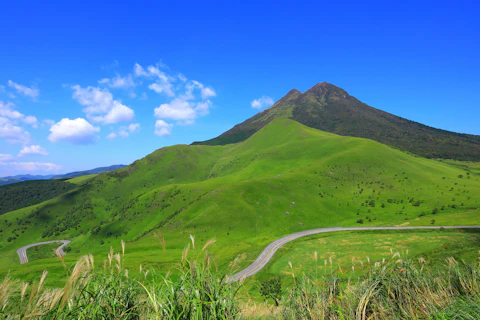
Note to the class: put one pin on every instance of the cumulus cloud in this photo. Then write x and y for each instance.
(13, 168)
(13, 133)
(125, 131)
(159, 87)
(33, 150)
(134, 127)
(208, 92)
(163, 83)
(190, 98)
(31, 120)
(100, 105)
(118, 113)
(177, 109)
(162, 128)
(118, 82)
(27, 91)
(5, 157)
(262, 102)
(7, 111)
(139, 70)
(182, 110)
(77, 131)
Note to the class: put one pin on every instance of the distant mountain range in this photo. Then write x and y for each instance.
(27, 177)
(330, 108)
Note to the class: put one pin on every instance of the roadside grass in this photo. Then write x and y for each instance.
(393, 288)
(42, 252)
(285, 178)
(344, 250)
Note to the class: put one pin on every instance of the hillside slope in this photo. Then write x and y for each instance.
(329, 108)
(285, 178)
(27, 193)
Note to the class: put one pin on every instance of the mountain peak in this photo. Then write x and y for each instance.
(327, 91)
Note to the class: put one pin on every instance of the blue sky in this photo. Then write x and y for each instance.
(88, 84)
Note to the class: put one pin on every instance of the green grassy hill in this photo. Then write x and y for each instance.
(27, 193)
(329, 108)
(285, 178)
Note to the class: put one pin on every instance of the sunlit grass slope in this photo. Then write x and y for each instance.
(285, 178)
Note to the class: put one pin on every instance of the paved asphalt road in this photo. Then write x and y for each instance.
(22, 252)
(270, 250)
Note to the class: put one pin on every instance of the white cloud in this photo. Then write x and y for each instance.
(163, 84)
(30, 92)
(177, 109)
(6, 110)
(119, 82)
(5, 157)
(208, 92)
(123, 133)
(31, 120)
(162, 128)
(162, 87)
(182, 77)
(134, 127)
(13, 168)
(94, 99)
(77, 131)
(33, 150)
(202, 108)
(143, 96)
(262, 102)
(100, 105)
(119, 113)
(49, 121)
(13, 133)
(139, 71)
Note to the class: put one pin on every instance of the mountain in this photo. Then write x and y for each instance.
(91, 171)
(284, 178)
(28, 177)
(329, 108)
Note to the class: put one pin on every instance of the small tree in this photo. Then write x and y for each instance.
(271, 288)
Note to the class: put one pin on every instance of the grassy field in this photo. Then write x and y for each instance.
(44, 251)
(82, 179)
(361, 249)
(283, 179)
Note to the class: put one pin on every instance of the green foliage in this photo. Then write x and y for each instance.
(271, 288)
(42, 251)
(24, 194)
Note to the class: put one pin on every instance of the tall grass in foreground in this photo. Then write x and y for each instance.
(391, 289)
(110, 292)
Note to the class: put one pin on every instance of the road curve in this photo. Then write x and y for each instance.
(22, 252)
(270, 250)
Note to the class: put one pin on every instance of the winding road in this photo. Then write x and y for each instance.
(270, 250)
(22, 252)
